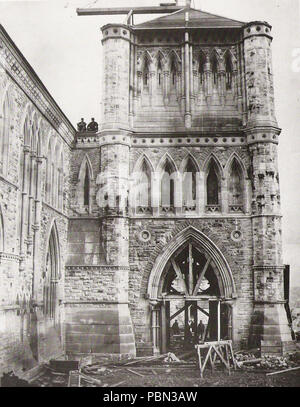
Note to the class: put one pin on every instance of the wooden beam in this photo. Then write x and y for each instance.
(203, 311)
(191, 277)
(201, 277)
(179, 274)
(178, 312)
(126, 10)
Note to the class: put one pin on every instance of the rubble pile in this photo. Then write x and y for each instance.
(250, 361)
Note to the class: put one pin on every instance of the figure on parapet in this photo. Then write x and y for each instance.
(81, 126)
(92, 126)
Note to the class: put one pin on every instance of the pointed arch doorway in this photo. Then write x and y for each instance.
(191, 291)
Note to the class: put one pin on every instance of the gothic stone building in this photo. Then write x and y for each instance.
(170, 211)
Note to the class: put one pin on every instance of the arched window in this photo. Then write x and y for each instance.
(173, 69)
(52, 187)
(51, 277)
(167, 186)
(48, 173)
(235, 187)
(86, 187)
(146, 72)
(228, 69)
(214, 69)
(202, 61)
(212, 185)
(4, 134)
(143, 187)
(60, 182)
(189, 185)
(1, 233)
(55, 188)
(159, 71)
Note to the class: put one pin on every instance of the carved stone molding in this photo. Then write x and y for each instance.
(96, 268)
(5, 257)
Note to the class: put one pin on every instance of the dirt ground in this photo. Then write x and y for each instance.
(177, 377)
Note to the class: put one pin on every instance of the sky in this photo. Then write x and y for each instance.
(65, 51)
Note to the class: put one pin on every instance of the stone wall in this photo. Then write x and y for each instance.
(27, 337)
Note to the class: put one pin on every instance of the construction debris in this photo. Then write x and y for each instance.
(64, 366)
(74, 379)
(267, 362)
(283, 371)
(171, 358)
(90, 379)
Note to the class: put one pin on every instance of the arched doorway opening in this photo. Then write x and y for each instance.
(51, 278)
(191, 289)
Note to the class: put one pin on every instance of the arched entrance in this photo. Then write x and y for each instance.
(191, 290)
(51, 278)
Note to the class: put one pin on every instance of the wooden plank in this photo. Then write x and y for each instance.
(217, 350)
(202, 274)
(134, 372)
(126, 10)
(191, 277)
(90, 379)
(118, 384)
(249, 362)
(179, 274)
(283, 371)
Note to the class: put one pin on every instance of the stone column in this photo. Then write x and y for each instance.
(269, 328)
(155, 325)
(187, 83)
(24, 205)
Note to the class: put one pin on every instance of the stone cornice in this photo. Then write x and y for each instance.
(5, 257)
(16, 65)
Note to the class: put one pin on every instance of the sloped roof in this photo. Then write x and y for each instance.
(197, 19)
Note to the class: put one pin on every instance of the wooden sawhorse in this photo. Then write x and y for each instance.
(221, 349)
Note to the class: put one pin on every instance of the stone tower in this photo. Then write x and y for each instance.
(184, 214)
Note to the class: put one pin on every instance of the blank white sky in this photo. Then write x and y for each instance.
(65, 52)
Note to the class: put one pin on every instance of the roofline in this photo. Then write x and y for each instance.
(190, 8)
(184, 27)
(26, 65)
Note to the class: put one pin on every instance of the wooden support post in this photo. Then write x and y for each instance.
(195, 317)
(186, 322)
(191, 277)
(219, 321)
